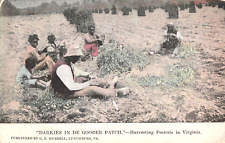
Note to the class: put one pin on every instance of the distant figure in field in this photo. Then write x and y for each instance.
(70, 82)
(25, 78)
(92, 42)
(54, 51)
(43, 59)
(172, 41)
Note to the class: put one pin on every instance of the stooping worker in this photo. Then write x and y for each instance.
(172, 40)
(54, 51)
(65, 82)
(43, 59)
(26, 79)
(92, 41)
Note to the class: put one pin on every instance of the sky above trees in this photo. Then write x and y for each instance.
(34, 3)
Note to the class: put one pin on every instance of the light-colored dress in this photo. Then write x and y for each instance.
(24, 77)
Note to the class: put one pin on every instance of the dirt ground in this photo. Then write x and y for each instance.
(199, 96)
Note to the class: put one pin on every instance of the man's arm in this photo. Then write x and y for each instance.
(179, 37)
(165, 33)
(36, 55)
(37, 77)
(65, 74)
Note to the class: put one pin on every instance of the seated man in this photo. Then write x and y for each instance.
(25, 78)
(92, 41)
(66, 84)
(172, 40)
(54, 51)
(42, 60)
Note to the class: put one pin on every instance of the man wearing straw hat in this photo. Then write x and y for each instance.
(65, 86)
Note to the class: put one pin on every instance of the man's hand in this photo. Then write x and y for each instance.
(38, 77)
(93, 82)
(44, 55)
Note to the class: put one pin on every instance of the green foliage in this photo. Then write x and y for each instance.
(49, 107)
(70, 14)
(177, 76)
(213, 4)
(125, 10)
(167, 7)
(150, 9)
(106, 10)
(50, 102)
(114, 9)
(130, 9)
(141, 11)
(4, 117)
(199, 5)
(187, 6)
(7, 9)
(100, 10)
(114, 58)
(173, 12)
(186, 51)
(192, 7)
(96, 10)
(221, 4)
(81, 18)
(147, 81)
(182, 6)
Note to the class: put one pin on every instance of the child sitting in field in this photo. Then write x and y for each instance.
(55, 52)
(26, 79)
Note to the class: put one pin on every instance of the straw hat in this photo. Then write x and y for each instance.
(170, 24)
(73, 50)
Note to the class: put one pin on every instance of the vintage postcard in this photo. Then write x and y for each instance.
(112, 71)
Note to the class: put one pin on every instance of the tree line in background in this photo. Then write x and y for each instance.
(7, 9)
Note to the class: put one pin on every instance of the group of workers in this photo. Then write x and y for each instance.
(67, 80)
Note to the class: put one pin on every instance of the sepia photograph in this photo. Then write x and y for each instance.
(112, 61)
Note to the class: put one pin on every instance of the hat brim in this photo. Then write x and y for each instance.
(77, 54)
(73, 50)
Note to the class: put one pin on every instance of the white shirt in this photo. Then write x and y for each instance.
(23, 77)
(178, 35)
(51, 49)
(66, 76)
